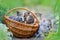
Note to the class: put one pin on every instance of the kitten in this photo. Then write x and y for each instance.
(44, 28)
(28, 18)
(18, 17)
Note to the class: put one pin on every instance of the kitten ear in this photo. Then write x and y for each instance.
(19, 13)
(28, 12)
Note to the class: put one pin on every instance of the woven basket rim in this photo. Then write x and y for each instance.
(21, 22)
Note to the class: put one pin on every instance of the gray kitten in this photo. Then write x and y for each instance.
(28, 18)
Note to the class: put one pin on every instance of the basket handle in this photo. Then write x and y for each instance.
(15, 9)
(22, 9)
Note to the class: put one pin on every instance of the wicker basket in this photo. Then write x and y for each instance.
(21, 29)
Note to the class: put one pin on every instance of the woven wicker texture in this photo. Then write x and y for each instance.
(21, 29)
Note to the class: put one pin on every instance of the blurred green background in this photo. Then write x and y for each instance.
(5, 5)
